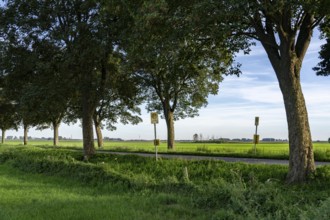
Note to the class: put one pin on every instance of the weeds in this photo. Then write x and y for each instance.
(227, 190)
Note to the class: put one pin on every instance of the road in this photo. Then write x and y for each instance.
(200, 157)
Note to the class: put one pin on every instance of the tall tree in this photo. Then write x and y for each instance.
(49, 92)
(323, 67)
(85, 31)
(177, 67)
(17, 65)
(284, 28)
(119, 99)
(8, 117)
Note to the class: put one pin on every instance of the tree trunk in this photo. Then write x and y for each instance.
(88, 137)
(55, 138)
(3, 136)
(301, 159)
(25, 141)
(87, 118)
(98, 131)
(286, 48)
(170, 129)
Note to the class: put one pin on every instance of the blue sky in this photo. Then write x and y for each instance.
(230, 114)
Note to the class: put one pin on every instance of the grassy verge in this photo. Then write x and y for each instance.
(58, 184)
(36, 196)
(263, 150)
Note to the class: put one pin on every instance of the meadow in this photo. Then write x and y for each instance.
(49, 183)
(238, 149)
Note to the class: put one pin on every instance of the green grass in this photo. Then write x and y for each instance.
(36, 196)
(39, 183)
(263, 150)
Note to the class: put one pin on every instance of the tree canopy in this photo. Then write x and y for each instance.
(177, 66)
(323, 67)
(69, 40)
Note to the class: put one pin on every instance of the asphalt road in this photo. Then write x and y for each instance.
(227, 159)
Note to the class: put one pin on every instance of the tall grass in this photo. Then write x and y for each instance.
(38, 197)
(132, 187)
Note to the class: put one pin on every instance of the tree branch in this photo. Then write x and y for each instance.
(317, 21)
(304, 36)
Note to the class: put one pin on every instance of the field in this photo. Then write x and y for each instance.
(48, 183)
(263, 150)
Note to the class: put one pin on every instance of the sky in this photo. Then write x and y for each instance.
(231, 113)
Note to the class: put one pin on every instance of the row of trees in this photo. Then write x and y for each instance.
(61, 63)
(97, 60)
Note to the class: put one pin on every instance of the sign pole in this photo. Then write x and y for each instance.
(256, 136)
(154, 120)
(155, 141)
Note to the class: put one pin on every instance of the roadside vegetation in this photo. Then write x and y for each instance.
(39, 183)
(263, 150)
(98, 61)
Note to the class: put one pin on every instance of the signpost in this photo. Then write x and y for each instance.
(256, 136)
(154, 120)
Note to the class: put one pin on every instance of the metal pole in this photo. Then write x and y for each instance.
(256, 122)
(255, 143)
(155, 141)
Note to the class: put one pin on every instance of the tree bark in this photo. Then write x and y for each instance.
(170, 129)
(88, 137)
(3, 136)
(25, 141)
(301, 159)
(87, 118)
(55, 138)
(98, 131)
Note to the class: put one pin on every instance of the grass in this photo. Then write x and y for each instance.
(36, 196)
(263, 150)
(39, 183)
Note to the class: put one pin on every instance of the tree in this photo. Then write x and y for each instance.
(47, 95)
(195, 137)
(119, 99)
(86, 33)
(8, 118)
(323, 67)
(177, 68)
(17, 68)
(30, 65)
(284, 28)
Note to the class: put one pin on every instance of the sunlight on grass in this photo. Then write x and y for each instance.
(32, 196)
(55, 183)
